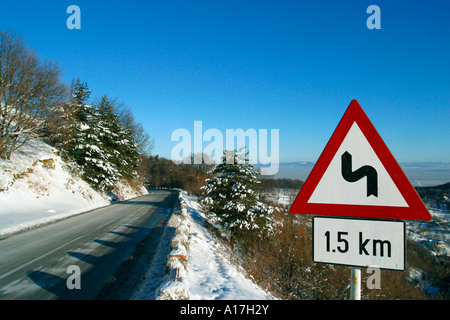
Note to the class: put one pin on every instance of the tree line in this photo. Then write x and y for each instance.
(159, 172)
(269, 184)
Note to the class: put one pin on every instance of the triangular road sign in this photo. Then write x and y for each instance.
(357, 176)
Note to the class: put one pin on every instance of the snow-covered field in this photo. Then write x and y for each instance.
(37, 187)
(284, 197)
(434, 234)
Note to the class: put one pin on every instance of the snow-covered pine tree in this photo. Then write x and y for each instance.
(80, 93)
(117, 141)
(132, 159)
(86, 146)
(231, 198)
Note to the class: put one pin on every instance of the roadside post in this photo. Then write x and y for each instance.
(359, 197)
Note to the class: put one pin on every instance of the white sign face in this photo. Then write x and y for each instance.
(333, 188)
(359, 242)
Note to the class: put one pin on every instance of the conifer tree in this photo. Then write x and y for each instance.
(86, 147)
(117, 141)
(231, 198)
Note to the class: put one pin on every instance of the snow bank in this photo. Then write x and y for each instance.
(166, 275)
(38, 187)
(209, 273)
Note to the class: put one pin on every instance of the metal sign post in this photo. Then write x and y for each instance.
(355, 287)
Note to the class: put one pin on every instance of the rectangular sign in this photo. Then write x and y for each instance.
(359, 242)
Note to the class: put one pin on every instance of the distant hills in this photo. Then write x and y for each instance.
(420, 174)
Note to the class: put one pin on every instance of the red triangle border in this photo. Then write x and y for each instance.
(416, 209)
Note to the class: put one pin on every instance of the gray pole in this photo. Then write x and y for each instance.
(355, 293)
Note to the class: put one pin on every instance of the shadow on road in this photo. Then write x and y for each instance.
(53, 284)
(133, 271)
(85, 257)
(47, 281)
(131, 263)
(110, 244)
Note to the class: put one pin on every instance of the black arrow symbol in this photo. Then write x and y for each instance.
(364, 171)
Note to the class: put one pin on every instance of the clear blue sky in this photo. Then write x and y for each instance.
(288, 65)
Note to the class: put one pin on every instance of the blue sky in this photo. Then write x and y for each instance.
(288, 65)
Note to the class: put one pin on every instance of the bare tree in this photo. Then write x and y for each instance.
(30, 91)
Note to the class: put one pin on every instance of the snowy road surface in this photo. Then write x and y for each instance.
(36, 264)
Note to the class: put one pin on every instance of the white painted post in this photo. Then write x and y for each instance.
(355, 293)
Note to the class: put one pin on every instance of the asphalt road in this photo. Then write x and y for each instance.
(37, 264)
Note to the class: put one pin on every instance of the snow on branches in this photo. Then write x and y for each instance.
(231, 198)
(100, 145)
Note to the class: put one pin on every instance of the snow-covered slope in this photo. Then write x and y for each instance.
(206, 274)
(206, 271)
(37, 187)
(210, 274)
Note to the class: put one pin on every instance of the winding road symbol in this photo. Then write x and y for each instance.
(364, 171)
(331, 188)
